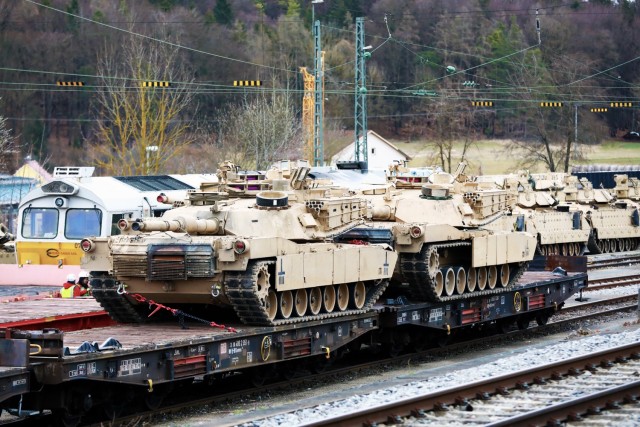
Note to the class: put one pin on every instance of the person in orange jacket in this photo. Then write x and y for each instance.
(70, 289)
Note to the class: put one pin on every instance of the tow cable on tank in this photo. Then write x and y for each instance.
(156, 306)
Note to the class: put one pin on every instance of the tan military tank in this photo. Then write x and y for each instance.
(262, 246)
(441, 232)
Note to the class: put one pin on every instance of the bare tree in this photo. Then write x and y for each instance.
(141, 130)
(453, 126)
(262, 131)
(7, 144)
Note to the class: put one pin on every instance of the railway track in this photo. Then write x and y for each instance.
(302, 377)
(621, 259)
(544, 394)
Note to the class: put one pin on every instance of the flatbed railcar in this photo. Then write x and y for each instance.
(77, 372)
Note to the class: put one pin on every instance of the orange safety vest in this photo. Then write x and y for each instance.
(67, 292)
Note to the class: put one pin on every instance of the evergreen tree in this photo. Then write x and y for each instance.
(222, 12)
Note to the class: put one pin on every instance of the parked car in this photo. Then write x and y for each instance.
(632, 136)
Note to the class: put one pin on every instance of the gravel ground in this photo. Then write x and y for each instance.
(376, 386)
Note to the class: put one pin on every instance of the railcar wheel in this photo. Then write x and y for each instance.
(66, 419)
(439, 283)
(461, 280)
(523, 323)
(449, 280)
(302, 301)
(271, 304)
(542, 319)
(482, 278)
(328, 298)
(492, 276)
(505, 271)
(315, 300)
(285, 304)
(472, 279)
(343, 296)
(358, 295)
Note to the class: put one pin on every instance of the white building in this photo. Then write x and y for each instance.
(381, 153)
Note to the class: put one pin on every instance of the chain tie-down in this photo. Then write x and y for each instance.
(156, 306)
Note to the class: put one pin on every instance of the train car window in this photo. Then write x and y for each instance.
(115, 230)
(39, 223)
(82, 223)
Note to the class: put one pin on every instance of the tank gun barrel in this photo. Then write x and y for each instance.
(180, 224)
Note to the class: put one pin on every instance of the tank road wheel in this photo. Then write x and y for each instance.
(328, 298)
(343, 296)
(572, 249)
(358, 295)
(504, 275)
(449, 280)
(301, 302)
(315, 300)
(492, 276)
(482, 278)
(439, 283)
(271, 304)
(461, 280)
(564, 249)
(285, 304)
(433, 262)
(472, 279)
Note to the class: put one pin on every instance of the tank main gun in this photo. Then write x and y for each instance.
(180, 224)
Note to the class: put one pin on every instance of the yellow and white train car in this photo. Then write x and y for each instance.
(56, 216)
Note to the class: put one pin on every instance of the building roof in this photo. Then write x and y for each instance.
(349, 149)
(32, 169)
(13, 188)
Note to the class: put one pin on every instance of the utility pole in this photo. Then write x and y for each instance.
(360, 128)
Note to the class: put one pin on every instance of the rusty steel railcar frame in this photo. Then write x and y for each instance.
(47, 374)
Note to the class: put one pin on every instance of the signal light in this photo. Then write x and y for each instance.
(61, 83)
(482, 103)
(87, 245)
(155, 84)
(621, 105)
(551, 104)
(247, 82)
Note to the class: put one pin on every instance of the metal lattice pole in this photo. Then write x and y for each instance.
(360, 96)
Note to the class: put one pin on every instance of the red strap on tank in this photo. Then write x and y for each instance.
(157, 307)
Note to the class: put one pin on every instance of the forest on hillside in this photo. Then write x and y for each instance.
(543, 74)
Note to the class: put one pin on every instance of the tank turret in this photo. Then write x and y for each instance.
(268, 253)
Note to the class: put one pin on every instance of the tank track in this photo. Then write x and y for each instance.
(242, 292)
(118, 306)
(414, 268)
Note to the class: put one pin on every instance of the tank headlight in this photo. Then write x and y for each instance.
(123, 225)
(240, 246)
(415, 231)
(87, 245)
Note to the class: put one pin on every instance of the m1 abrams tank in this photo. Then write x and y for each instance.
(568, 215)
(440, 231)
(263, 247)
